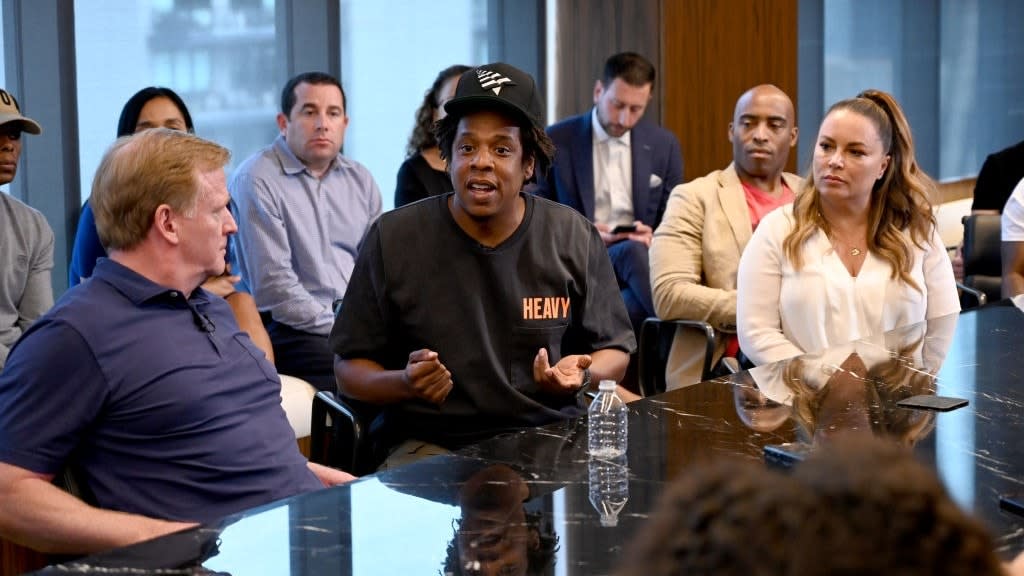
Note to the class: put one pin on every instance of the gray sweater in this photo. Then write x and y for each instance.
(26, 258)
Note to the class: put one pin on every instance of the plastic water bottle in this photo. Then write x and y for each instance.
(609, 487)
(606, 434)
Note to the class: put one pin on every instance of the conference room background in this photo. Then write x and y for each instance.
(73, 63)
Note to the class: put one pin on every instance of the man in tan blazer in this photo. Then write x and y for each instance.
(708, 222)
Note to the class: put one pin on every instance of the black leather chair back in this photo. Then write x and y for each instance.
(655, 344)
(983, 264)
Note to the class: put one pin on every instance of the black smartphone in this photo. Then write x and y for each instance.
(932, 402)
(624, 228)
(1012, 503)
(785, 455)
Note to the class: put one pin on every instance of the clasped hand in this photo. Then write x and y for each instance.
(426, 377)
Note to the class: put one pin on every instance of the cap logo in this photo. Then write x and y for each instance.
(8, 100)
(492, 81)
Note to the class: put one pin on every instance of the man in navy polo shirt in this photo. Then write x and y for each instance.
(140, 379)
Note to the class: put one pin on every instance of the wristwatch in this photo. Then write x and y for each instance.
(582, 390)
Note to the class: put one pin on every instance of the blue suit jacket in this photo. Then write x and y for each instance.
(655, 152)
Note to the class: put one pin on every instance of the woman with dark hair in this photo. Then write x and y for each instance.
(423, 173)
(158, 107)
(858, 252)
(151, 107)
(154, 107)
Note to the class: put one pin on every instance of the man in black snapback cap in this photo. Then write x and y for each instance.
(485, 309)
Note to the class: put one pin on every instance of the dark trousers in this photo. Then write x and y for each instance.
(303, 355)
(633, 272)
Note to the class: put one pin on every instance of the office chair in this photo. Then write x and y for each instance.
(983, 264)
(72, 480)
(340, 430)
(655, 343)
(338, 435)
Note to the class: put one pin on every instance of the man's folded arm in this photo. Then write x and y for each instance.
(39, 515)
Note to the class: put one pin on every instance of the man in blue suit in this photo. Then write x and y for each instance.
(618, 170)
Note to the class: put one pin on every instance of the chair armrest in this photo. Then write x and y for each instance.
(978, 296)
(337, 433)
(72, 480)
(651, 341)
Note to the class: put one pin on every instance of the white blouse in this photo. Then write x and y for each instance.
(923, 347)
(782, 313)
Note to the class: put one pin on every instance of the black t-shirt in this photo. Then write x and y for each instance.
(418, 180)
(998, 177)
(421, 282)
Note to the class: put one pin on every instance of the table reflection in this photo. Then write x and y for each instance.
(533, 502)
(851, 389)
(504, 526)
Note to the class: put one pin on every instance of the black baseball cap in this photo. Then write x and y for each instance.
(498, 86)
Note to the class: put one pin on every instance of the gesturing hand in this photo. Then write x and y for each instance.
(426, 377)
(564, 377)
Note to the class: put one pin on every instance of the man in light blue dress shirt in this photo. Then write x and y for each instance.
(303, 209)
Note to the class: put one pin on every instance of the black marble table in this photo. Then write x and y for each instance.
(534, 503)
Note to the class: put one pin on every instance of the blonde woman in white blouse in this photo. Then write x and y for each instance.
(857, 253)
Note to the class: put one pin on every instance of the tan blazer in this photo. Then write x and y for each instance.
(694, 256)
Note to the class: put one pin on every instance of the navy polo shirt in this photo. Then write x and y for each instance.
(167, 407)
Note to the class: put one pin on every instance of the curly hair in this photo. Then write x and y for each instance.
(865, 507)
(889, 514)
(727, 518)
(536, 142)
(423, 131)
(900, 200)
(539, 558)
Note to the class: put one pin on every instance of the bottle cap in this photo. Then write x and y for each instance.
(606, 385)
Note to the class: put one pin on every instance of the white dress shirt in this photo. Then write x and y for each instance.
(613, 176)
(1013, 216)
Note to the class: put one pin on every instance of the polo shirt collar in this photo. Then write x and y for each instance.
(137, 288)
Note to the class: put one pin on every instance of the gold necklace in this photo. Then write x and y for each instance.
(851, 250)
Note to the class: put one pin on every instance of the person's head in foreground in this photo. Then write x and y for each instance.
(862, 507)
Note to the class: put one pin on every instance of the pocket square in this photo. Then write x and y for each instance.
(655, 180)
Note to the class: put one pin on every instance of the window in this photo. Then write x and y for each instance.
(3, 72)
(385, 80)
(982, 104)
(951, 64)
(220, 56)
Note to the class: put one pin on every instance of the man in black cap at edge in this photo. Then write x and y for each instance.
(485, 309)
